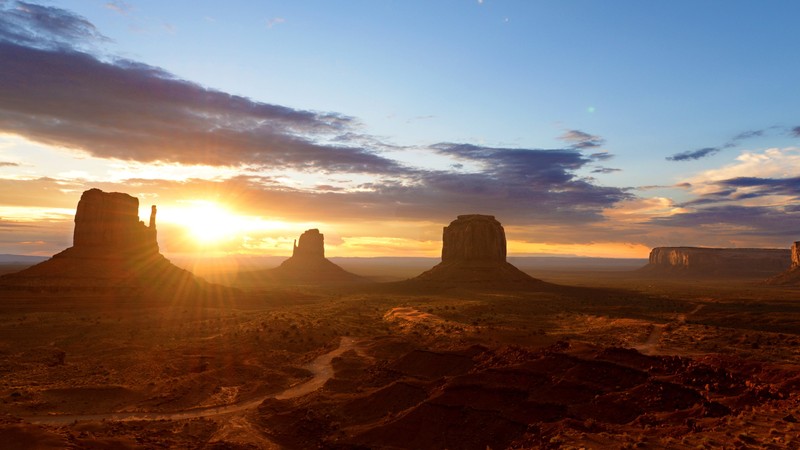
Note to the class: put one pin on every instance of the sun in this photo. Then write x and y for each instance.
(208, 222)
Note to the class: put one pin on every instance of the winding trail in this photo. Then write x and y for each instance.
(320, 367)
(649, 345)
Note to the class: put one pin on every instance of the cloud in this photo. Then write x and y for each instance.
(694, 154)
(275, 21)
(601, 156)
(795, 131)
(8, 164)
(581, 140)
(605, 170)
(738, 220)
(131, 111)
(746, 135)
(45, 27)
(120, 7)
(770, 163)
(709, 151)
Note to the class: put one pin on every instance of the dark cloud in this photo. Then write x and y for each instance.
(132, 111)
(8, 164)
(45, 27)
(747, 135)
(601, 156)
(738, 220)
(795, 131)
(581, 140)
(709, 151)
(605, 170)
(536, 184)
(694, 154)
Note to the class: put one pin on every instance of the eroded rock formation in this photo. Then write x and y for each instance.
(474, 251)
(474, 237)
(700, 262)
(109, 222)
(792, 275)
(307, 265)
(111, 248)
(310, 245)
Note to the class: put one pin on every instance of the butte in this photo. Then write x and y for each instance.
(474, 254)
(307, 266)
(111, 249)
(792, 275)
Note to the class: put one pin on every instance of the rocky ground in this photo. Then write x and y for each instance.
(427, 368)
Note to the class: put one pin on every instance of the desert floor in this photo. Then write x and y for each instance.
(595, 360)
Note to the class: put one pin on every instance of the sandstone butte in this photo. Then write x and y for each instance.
(474, 251)
(307, 265)
(111, 248)
(792, 275)
(716, 262)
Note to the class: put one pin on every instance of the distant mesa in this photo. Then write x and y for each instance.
(716, 262)
(111, 248)
(474, 251)
(792, 275)
(307, 266)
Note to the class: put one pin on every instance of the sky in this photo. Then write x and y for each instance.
(586, 128)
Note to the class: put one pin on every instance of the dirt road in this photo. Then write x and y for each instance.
(320, 367)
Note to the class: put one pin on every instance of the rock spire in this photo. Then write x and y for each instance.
(307, 266)
(112, 249)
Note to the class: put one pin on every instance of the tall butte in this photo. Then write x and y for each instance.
(792, 275)
(111, 248)
(474, 251)
(307, 265)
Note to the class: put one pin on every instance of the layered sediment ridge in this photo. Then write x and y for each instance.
(699, 261)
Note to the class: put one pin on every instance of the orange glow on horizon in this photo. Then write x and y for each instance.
(593, 250)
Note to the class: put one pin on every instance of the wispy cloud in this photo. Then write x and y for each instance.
(8, 164)
(581, 140)
(710, 151)
(694, 154)
(605, 170)
(120, 7)
(275, 21)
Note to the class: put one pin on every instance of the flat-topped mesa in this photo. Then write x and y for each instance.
(699, 261)
(310, 245)
(108, 222)
(474, 237)
(474, 254)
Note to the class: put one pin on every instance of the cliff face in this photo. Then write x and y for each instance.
(792, 275)
(474, 252)
(310, 245)
(107, 223)
(474, 237)
(307, 266)
(111, 248)
(696, 261)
